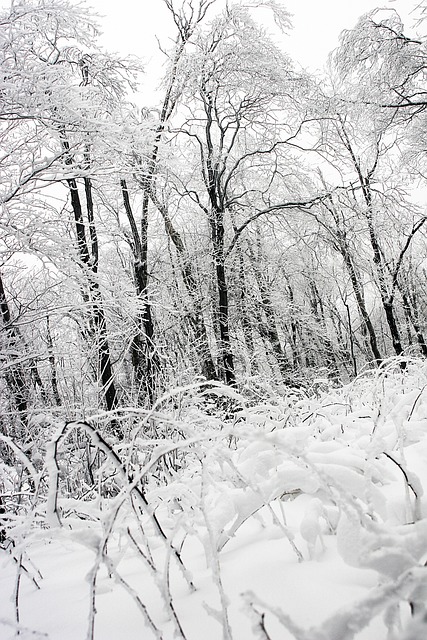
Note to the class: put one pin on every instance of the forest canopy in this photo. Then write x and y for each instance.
(259, 224)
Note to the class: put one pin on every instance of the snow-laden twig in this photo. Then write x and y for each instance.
(134, 595)
(22, 457)
(17, 588)
(259, 627)
(22, 631)
(162, 584)
(252, 601)
(130, 485)
(23, 568)
(410, 484)
(349, 620)
(263, 501)
(414, 404)
(220, 616)
(93, 573)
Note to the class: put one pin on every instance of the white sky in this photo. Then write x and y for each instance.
(318, 23)
(130, 26)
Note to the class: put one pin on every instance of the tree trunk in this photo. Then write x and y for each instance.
(226, 354)
(360, 300)
(386, 298)
(52, 365)
(243, 311)
(412, 315)
(269, 328)
(15, 376)
(272, 333)
(378, 260)
(89, 264)
(293, 322)
(145, 353)
(197, 323)
(328, 351)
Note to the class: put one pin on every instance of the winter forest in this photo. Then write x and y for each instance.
(213, 329)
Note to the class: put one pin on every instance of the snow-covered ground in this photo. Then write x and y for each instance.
(303, 517)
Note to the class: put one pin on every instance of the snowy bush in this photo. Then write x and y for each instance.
(212, 520)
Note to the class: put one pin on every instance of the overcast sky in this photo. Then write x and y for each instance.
(130, 26)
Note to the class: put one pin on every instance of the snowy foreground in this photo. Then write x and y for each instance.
(302, 517)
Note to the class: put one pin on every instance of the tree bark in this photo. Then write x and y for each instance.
(144, 355)
(197, 323)
(226, 353)
(360, 300)
(378, 260)
(15, 377)
(271, 328)
(52, 365)
(88, 260)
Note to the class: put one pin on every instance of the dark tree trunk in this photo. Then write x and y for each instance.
(413, 317)
(378, 259)
(328, 351)
(216, 212)
(293, 323)
(392, 324)
(89, 263)
(268, 328)
(386, 298)
(196, 314)
(15, 377)
(52, 365)
(271, 329)
(226, 353)
(145, 359)
(360, 300)
(244, 312)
